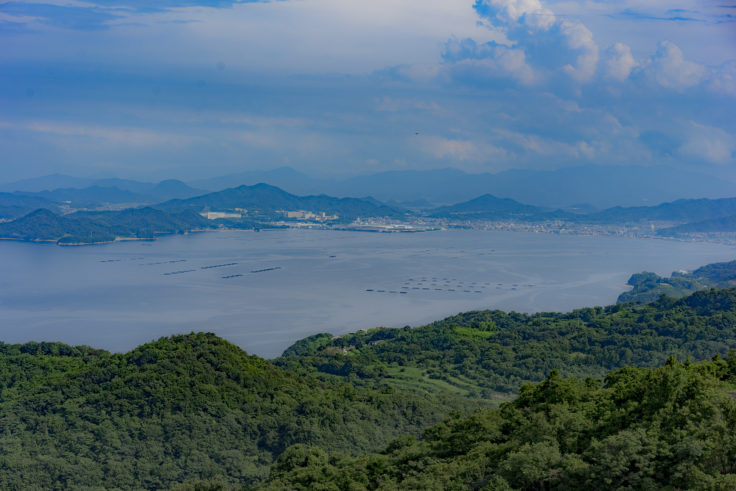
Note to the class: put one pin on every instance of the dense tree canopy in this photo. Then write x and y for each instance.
(186, 407)
(489, 354)
(196, 412)
(666, 428)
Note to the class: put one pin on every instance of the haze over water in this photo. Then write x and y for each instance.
(263, 291)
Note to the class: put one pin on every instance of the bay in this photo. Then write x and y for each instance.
(263, 291)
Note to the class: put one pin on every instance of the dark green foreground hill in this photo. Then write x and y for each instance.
(196, 408)
(667, 428)
(184, 408)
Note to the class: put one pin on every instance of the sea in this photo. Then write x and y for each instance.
(265, 290)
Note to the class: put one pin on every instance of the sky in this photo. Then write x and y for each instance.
(193, 89)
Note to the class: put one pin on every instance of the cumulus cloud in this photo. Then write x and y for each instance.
(619, 62)
(580, 39)
(519, 83)
(710, 144)
(669, 68)
(487, 61)
(538, 38)
(546, 147)
(722, 79)
(529, 13)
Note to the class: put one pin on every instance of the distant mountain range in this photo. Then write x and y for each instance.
(14, 206)
(682, 210)
(714, 226)
(260, 205)
(695, 215)
(89, 193)
(584, 188)
(587, 187)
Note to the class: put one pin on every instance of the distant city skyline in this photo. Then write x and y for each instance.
(193, 89)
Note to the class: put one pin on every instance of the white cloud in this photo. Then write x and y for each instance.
(723, 79)
(579, 38)
(669, 68)
(530, 13)
(533, 28)
(710, 144)
(467, 59)
(547, 147)
(17, 19)
(619, 62)
(114, 135)
(460, 150)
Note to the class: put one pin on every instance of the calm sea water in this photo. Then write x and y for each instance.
(263, 291)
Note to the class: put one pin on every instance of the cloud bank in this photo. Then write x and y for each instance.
(188, 87)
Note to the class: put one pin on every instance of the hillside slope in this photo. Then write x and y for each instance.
(648, 287)
(181, 408)
(489, 354)
(100, 226)
(667, 428)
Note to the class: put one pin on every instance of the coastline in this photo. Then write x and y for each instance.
(616, 231)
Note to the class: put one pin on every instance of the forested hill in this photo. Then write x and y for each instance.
(189, 407)
(667, 428)
(489, 354)
(648, 287)
(197, 409)
(89, 227)
(267, 202)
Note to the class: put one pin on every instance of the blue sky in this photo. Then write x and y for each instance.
(194, 89)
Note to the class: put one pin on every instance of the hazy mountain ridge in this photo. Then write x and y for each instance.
(597, 186)
(681, 210)
(89, 197)
(711, 226)
(707, 214)
(489, 207)
(14, 205)
(91, 193)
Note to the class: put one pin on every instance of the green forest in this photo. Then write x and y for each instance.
(665, 428)
(449, 405)
(647, 287)
(489, 354)
(91, 227)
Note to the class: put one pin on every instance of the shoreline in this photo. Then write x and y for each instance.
(485, 226)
